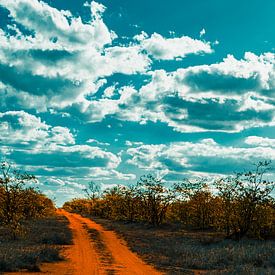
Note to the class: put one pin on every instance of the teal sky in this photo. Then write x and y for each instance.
(110, 90)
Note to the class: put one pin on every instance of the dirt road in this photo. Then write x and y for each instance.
(101, 252)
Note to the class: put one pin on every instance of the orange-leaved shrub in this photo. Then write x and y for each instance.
(19, 203)
(238, 206)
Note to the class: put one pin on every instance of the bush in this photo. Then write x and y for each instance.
(18, 203)
(241, 205)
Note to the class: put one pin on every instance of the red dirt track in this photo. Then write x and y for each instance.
(83, 258)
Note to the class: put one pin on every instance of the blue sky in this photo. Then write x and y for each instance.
(110, 90)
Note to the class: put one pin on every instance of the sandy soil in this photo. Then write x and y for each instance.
(84, 257)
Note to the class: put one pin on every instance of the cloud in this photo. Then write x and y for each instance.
(91, 140)
(57, 182)
(253, 73)
(127, 60)
(63, 63)
(19, 127)
(50, 24)
(59, 67)
(61, 60)
(229, 96)
(204, 156)
(66, 157)
(161, 48)
(202, 32)
(260, 141)
(32, 142)
(66, 188)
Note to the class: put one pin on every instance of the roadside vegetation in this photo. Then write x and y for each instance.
(30, 231)
(175, 250)
(227, 226)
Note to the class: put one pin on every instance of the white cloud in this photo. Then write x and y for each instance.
(203, 156)
(97, 9)
(252, 73)
(62, 66)
(21, 127)
(229, 96)
(202, 32)
(260, 141)
(170, 48)
(91, 140)
(107, 174)
(140, 37)
(49, 23)
(132, 143)
(109, 92)
(35, 143)
(65, 59)
(127, 60)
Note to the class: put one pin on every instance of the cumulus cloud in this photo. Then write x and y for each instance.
(229, 96)
(32, 142)
(50, 24)
(204, 156)
(52, 154)
(202, 32)
(161, 48)
(252, 73)
(62, 59)
(66, 157)
(64, 62)
(55, 63)
(19, 127)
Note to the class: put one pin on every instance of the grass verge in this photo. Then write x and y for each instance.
(42, 242)
(177, 251)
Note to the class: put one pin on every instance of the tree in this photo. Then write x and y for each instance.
(12, 197)
(189, 188)
(196, 202)
(19, 203)
(243, 196)
(155, 198)
(93, 190)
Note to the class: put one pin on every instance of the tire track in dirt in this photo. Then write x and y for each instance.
(121, 259)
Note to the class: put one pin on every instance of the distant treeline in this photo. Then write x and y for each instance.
(241, 205)
(19, 203)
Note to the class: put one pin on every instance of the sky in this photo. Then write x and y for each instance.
(108, 91)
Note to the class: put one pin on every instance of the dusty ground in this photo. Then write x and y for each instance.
(84, 256)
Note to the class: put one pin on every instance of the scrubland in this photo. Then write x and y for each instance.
(223, 227)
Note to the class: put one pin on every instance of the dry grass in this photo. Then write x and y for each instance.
(41, 242)
(176, 251)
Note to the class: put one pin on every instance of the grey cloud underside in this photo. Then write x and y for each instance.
(213, 115)
(48, 57)
(205, 81)
(35, 84)
(217, 165)
(59, 159)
